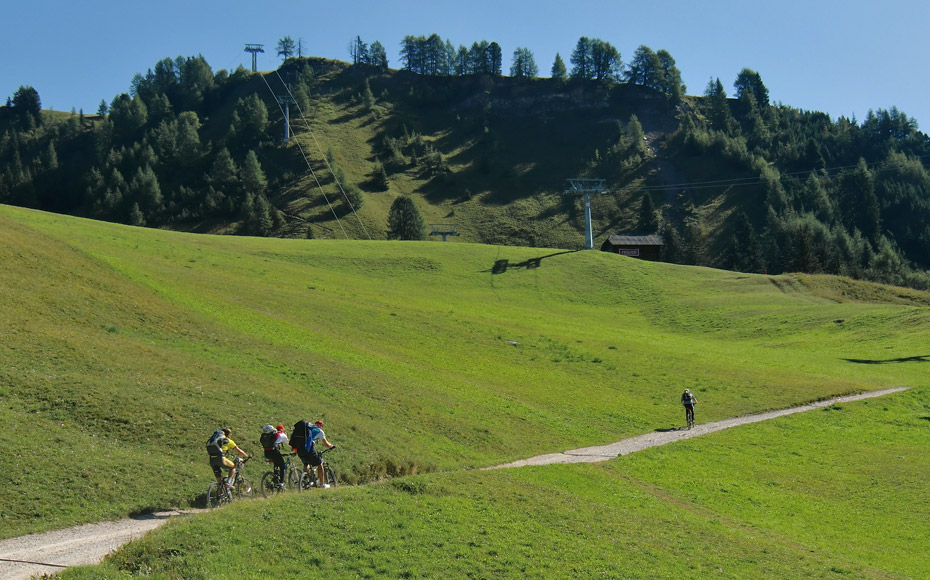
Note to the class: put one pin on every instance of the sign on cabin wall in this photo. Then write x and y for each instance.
(634, 253)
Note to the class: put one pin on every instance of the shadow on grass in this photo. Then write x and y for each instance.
(865, 361)
(501, 266)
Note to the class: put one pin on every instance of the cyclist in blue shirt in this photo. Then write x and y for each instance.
(303, 441)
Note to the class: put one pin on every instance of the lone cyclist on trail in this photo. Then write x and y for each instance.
(303, 440)
(688, 400)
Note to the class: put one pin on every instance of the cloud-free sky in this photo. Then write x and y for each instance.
(842, 57)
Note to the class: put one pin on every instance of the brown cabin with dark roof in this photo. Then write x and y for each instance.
(642, 247)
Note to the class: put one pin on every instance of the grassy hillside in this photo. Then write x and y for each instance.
(835, 493)
(125, 347)
(506, 150)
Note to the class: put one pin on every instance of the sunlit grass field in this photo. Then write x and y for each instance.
(123, 348)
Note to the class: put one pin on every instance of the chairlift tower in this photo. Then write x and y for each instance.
(443, 230)
(586, 187)
(254, 49)
(286, 101)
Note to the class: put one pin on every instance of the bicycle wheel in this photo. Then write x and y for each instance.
(216, 495)
(293, 478)
(243, 488)
(269, 484)
(330, 476)
(307, 480)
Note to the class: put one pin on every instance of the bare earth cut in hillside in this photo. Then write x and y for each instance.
(47, 553)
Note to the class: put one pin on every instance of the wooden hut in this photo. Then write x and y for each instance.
(642, 247)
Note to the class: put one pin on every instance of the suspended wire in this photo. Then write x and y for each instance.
(322, 155)
(744, 181)
(309, 166)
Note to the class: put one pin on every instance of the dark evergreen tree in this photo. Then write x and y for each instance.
(286, 47)
(750, 81)
(605, 60)
(377, 56)
(670, 77)
(249, 121)
(136, 217)
(195, 82)
(558, 72)
(379, 177)
(523, 65)
(253, 178)
(672, 250)
(645, 68)
(26, 106)
(744, 250)
(717, 108)
(581, 59)
(404, 220)
(495, 59)
(857, 204)
(648, 221)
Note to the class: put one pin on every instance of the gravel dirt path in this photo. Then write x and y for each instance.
(50, 552)
(663, 437)
(27, 556)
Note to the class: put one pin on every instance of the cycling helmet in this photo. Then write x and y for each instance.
(268, 429)
(319, 423)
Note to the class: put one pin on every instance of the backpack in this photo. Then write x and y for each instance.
(268, 441)
(299, 436)
(314, 433)
(215, 443)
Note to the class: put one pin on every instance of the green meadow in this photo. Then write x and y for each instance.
(124, 348)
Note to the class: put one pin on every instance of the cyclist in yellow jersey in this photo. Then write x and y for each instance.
(218, 462)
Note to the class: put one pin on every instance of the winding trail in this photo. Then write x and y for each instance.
(656, 438)
(27, 556)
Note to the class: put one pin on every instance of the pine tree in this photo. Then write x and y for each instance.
(559, 73)
(379, 177)
(648, 223)
(744, 252)
(136, 217)
(404, 220)
(286, 47)
(253, 178)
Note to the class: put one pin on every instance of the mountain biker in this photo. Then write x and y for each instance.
(272, 439)
(316, 434)
(219, 460)
(303, 440)
(688, 401)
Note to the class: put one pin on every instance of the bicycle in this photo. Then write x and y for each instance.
(689, 415)
(309, 479)
(272, 484)
(218, 494)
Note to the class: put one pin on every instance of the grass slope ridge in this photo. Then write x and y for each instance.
(126, 346)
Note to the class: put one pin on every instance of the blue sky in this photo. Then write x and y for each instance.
(840, 57)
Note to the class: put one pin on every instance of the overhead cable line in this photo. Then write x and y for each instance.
(744, 181)
(322, 155)
(309, 166)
